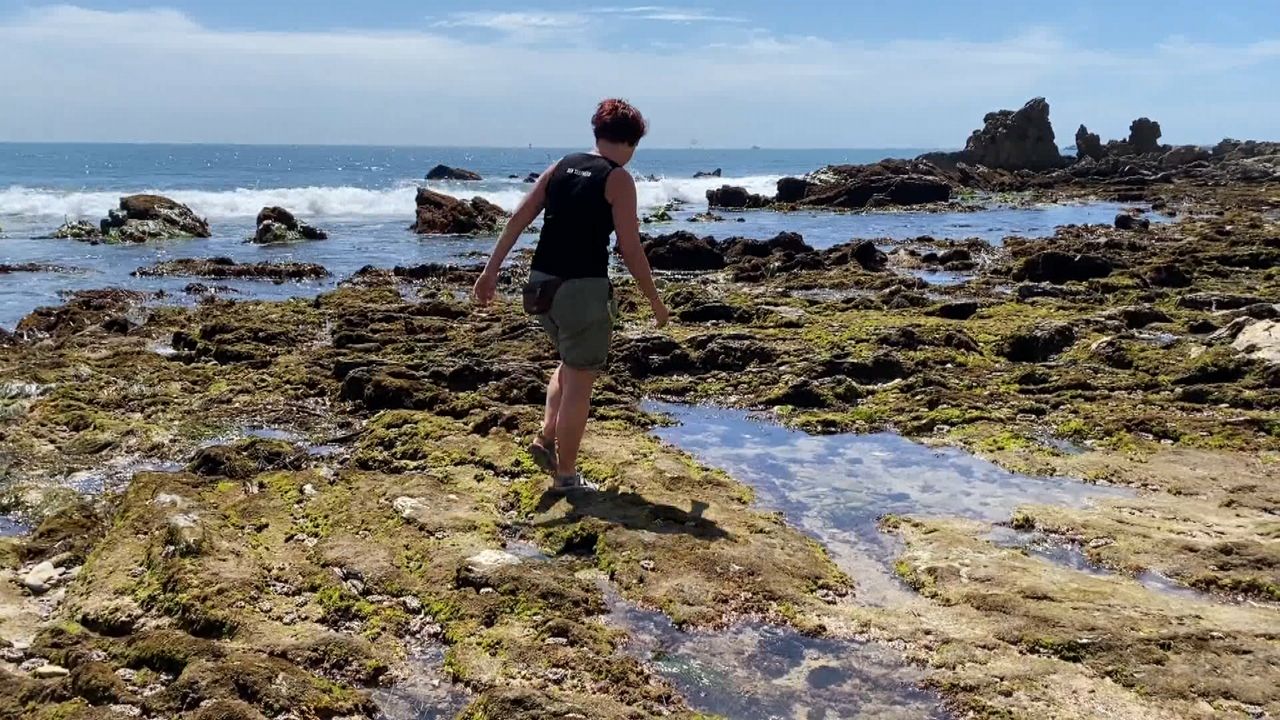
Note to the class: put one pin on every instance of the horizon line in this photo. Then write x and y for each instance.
(205, 143)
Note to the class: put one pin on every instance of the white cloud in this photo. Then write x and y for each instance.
(668, 14)
(72, 73)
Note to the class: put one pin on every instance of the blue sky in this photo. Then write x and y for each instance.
(910, 73)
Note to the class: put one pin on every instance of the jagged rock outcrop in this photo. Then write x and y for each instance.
(718, 172)
(888, 182)
(440, 214)
(444, 172)
(732, 197)
(140, 218)
(1011, 140)
(1144, 136)
(1088, 145)
(277, 225)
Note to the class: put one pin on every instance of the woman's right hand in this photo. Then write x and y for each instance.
(661, 315)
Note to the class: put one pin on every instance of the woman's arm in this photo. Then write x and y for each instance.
(526, 212)
(620, 190)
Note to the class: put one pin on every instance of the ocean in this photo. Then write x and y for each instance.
(364, 197)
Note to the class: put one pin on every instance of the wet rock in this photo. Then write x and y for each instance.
(1168, 275)
(888, 182)
(864, 253)
(800, 394)
(1038, 343)
(732, 197)
(786, 242)
(277, 225)
(730, 352)
(956, 310)
(531, 178)
(1057, 267)
(1127, 221)
(224, 267)
(706, 217)
(652, 355)
(1136, 317)
(143, 218)
(714, 173)
(1144, 136)
(390, 389)
(1088, 145)
(440, 214)
(878, 369)
(78, 230)
(792, 190)
(444, 172)
(683, 251)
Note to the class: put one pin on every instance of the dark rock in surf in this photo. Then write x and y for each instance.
(792, 190)
(713, 174)
(277, 225)
(888, 182)
(732, 197)
(140, 218)
(440, 214)
(1126, 221)
(444, 172)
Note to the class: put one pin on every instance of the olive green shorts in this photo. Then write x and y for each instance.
(580, 323)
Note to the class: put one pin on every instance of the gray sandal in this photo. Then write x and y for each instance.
(573, 483)
(544, 455)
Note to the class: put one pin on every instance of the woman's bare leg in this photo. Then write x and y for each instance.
(571, 421)
(549, 429)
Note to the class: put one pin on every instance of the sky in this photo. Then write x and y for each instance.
(717, 73)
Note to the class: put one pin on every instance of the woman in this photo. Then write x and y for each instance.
(587, 196)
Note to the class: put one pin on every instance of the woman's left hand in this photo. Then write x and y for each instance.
(486, 287)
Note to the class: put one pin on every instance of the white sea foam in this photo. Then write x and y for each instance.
(337, 202)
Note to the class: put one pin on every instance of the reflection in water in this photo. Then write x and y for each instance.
(426, 694)
(762, 672)
(10, 527)
(836, 487)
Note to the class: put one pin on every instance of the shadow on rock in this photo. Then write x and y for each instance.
(632, 511)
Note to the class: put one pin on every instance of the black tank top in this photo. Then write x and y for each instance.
(578, 219)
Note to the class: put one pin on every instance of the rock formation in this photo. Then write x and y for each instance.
(733, 197)
(277, 225)
(444, 172)
(440, 214)
(1144, 136)
(140, 218)
(888, 182)
(1088, 145)
(1012, 140)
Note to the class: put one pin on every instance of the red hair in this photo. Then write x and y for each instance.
(619, 121)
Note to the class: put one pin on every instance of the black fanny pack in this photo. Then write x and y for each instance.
(538, 295)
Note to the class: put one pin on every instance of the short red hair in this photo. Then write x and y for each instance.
(619, 121)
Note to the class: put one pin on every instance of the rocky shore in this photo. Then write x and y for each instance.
(225, 572)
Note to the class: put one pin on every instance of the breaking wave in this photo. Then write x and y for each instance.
(337, 202)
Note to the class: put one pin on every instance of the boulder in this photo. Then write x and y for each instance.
(888, 182)
(683, 251)
(792, 190)
(444, 172)
(142, 218)
(1088, 145)
(1183, 155)
(277, 225)
(1057, 267)
(1260, 339)
(714, 173)
(78, 230)
(1168, 275)
(733, 197)
(864, 253)
(955, 310)
(1127, 221)
(1144, 136)
(1015, 139)
(1038, 343)
(532, 178)
(440, 214)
